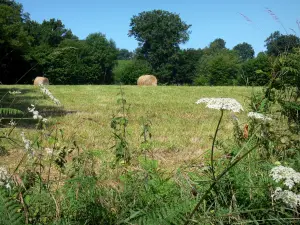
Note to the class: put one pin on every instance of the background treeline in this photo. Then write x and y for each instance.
(29, 49)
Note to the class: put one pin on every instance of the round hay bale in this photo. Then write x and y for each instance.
(41, 80)
(147, 80)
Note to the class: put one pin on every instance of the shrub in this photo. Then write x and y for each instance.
(128, 71)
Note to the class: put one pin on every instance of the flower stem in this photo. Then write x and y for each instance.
(213, 146)
(216, 181)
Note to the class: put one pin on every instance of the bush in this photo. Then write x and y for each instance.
(128, 71)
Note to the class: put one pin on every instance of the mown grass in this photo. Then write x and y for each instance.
(181, 130)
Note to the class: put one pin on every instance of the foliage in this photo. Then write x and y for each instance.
(119, 125)
(127, 72)
(159, 34)
(14, 42)
(124, 54)
(186, 67)
(84, 203)
(77, 61)
(71, 184)
(278, 43)
(256, 71)
(216, 46)
(222, 68)
(103, 56)
(9, 209)
(245, 51)
(10, 112)
(153, 197)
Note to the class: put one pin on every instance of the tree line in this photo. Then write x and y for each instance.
(29, 49)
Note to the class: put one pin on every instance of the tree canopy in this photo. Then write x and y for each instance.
(29, 49)
(278, 43)
(245, 51)
(159, 34)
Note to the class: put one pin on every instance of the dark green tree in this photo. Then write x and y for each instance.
(186, 68)
(245, 51)
(217, 45)
(278, 43)
(128, 71)
(256, 71)
(87, 61)
(51, 32)
(103, 56)
(124, 54)
(159, 34)
(222, 68)
(14, 42)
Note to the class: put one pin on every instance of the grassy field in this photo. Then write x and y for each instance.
(181, 130)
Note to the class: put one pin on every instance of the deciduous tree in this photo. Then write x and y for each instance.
(245, 51)
(159, 34)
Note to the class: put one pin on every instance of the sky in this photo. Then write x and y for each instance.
(235, 21)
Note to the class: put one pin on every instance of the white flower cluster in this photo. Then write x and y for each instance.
(221, 103)
(288, 197)
(286, 174)
(259, 116)
(14, 92)
(45, 91)
(27, 144)
(12, 123)
(290, 178)
(4, 177)
(36, 114)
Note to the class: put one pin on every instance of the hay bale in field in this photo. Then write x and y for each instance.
(147, 80)
(41, 80)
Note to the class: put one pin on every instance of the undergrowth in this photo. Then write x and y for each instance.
(58, 181)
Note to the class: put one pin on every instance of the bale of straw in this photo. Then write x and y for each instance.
(147, 80)
(41, 80)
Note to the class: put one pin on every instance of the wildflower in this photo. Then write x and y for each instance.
(12, 123)
(45, 91)
(259, 116)
(27, 144)
(36, 114)
(221, 103)
(4, 176)
(288, 197)
(288, 175)
(8, 186)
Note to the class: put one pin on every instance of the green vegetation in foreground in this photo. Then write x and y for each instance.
(181, 130)
(98, 161)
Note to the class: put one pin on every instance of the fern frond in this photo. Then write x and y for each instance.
(174, 213)
(10, 112)
(10, 210)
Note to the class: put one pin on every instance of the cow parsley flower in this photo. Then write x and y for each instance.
(288, 197)
(45, 91)
(221, 103)
(286, 174)
(259, 116)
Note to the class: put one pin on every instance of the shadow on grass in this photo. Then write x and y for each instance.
(24, 100)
